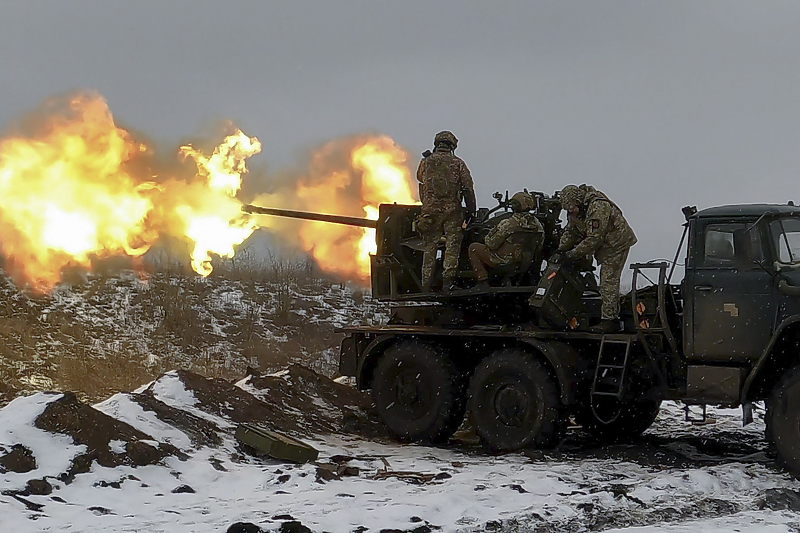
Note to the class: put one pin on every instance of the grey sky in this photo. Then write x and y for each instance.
(658, 104)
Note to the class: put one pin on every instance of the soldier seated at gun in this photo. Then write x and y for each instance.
(511, 244)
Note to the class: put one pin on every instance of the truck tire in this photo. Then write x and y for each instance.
(783, 420)
(621, 422)
(514, 402)
(418, 392)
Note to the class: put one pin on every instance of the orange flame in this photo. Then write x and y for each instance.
(214, 221)
(69, 193)
(375, 173)
(80, 187)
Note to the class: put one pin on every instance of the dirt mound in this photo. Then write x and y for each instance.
(200, 431)
(319, 403)
(109, 441)
(19, 459)
(7, 393)
(301, 402)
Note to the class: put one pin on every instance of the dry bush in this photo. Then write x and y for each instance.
(94, 377)
(170, 302)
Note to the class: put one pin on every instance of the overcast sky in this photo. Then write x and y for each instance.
(658, 104)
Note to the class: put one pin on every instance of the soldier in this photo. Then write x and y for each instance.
(596, 227)
(504, 244)
(444, 180)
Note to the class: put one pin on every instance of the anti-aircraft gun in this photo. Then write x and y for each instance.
(397, 265)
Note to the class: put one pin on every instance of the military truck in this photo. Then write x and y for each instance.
(519, 357)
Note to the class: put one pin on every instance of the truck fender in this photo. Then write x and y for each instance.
(367, 359)
(563, 359)
(765, 357)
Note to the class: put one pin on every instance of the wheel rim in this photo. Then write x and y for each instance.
(512, 405)
(411, 398)
(410, 394)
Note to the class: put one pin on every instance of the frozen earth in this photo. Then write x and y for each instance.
(164, 459)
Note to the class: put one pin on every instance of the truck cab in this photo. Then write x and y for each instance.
(737, 257)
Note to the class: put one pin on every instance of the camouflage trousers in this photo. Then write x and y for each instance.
(480, 257)
(449, 226)
(610, 273)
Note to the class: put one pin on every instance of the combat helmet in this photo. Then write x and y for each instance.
(522, 201)
(445, 137)
(570, 196)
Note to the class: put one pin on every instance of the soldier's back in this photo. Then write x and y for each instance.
(441, 178)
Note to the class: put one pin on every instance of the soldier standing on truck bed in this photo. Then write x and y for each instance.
(444, 180)
(506, 243)
(596, 227)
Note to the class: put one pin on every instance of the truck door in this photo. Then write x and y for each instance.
(734, 299)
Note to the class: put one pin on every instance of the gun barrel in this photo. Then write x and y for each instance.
(334, 219)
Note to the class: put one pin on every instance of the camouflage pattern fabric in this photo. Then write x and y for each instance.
(574, 233)
(610, 274)
(444, 180)
(600, 230)
(480, 257)
(571, 195)
(498, 238)
(448, 225)
(606, 230)
(500, 248)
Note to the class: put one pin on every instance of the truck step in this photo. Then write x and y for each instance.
(600, 393)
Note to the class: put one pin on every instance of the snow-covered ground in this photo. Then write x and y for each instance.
(679, 477)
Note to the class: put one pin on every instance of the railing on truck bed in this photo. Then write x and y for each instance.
(652, 314)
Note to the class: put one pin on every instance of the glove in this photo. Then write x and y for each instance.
(569, 256)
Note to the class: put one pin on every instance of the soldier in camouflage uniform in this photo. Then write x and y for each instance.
(596, 227)
(444, 180)
(504, 242)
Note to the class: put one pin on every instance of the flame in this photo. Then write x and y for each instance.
(78, 187)
(214, 222)
(375, 172)
(74, 190)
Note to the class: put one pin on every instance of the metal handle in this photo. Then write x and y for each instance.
(704, 288)
(786, 288)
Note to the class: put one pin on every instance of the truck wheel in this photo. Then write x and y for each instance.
(514, 402)
(783, 420)
(417, 392)
(612, 420)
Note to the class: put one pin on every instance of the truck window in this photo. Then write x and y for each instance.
(786, 238)
(719, 250)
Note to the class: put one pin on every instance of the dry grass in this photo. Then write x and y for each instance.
(167, 322)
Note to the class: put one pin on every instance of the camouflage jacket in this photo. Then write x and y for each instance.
(500, 238)
(601, 230)
(444, 180)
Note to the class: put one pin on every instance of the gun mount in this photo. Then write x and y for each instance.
(396, 267)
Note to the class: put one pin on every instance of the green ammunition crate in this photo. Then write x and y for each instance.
(274, 444)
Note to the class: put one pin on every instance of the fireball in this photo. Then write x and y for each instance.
(69, 193)
(375, 172)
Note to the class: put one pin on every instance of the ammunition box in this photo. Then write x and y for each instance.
(274, 444)
(558, 298)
